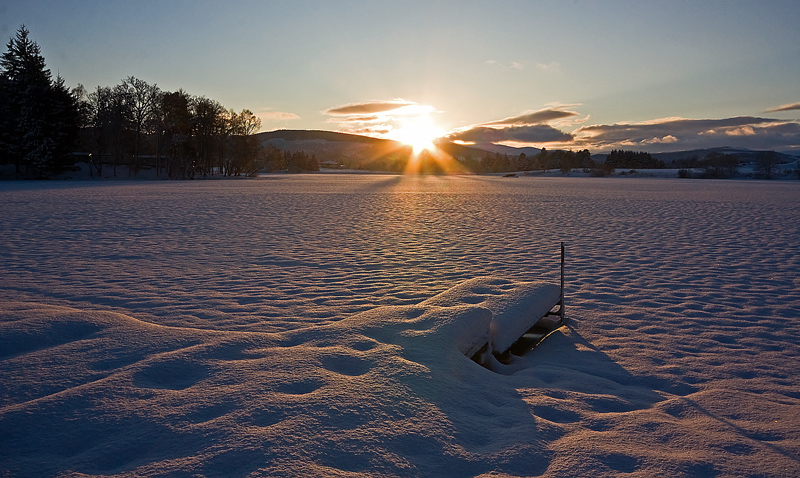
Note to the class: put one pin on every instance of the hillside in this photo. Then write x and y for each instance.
(292, 135)
(331, 145)
(744, 155)
(337, 146)
(509, 150)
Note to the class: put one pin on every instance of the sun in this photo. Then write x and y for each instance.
(419, 133)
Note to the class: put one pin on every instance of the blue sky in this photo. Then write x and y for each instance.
(648, 75)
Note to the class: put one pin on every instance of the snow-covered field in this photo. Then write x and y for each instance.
(310, 326)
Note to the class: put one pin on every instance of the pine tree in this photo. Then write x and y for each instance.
(6, 125)
(64, 120)
(39, 118)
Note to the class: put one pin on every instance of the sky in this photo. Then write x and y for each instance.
(644, 75)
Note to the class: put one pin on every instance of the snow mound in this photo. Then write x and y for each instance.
(515, 306)
(390, 390)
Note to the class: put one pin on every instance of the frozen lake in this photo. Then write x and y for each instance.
(680, 357)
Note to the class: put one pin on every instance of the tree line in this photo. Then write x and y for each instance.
(180, 135)
(714, 165)
(134, 123)
(274, 159)
(544, 160)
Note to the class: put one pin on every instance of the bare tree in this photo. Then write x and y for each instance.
(766, 163)
(241, 147)
(208, 126)
(111, 117)
(176, 129)
(247, 123)
(145, 101)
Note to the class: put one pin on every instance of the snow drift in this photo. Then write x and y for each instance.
(387, 390)
(316, 325)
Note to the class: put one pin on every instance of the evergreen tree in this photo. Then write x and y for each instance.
(583, 159)
(521, 163)
(543, 159)
(633, 159)
(566, 161)
(719, 165)
(6, 125)
(39, 117)
(64, 121)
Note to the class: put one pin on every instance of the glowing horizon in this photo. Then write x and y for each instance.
(419, 132)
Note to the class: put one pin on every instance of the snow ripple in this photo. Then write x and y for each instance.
(303, 326)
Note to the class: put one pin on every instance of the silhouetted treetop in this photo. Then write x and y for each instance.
(39, 117)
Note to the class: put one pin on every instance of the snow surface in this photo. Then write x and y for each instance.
(316, 326)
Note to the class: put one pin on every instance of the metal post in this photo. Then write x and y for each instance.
(561, 312)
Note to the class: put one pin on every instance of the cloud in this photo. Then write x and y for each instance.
(528, 127)
(533, 118)
(679, 127)
(741, 131)
(553, 66)
(366, 129)
(787, 107)
(354, 119)
(369, 107)
(668, 139)
(671, 134)
(541, 133)
(277, 116)
(378, 118)
(368, 125)
(556, 126)
(514, 65)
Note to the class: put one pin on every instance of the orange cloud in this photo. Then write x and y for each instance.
(531, 127)
(542, 116)
(379, 118)
(277, 116)
(787, 107)
(671, 133)
(369, 107)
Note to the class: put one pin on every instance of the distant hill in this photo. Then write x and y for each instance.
(329, 146)
(333, 144)
(509, 150)
(291, 135)
(794, 154)
(462, 151)
(744, 155)
(337, 146)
